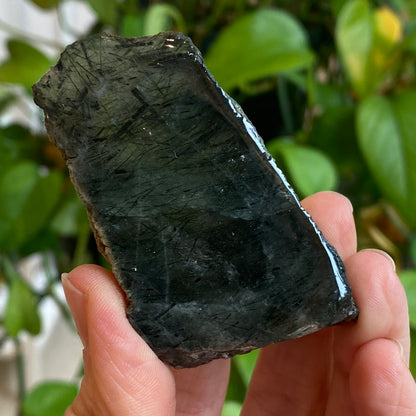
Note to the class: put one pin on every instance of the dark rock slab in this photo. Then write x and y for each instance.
(203, 232)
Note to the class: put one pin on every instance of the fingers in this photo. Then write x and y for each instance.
(122, 374)
(357, 347)
(293, 377)
(380, 389)
(382, 302)
(201, 390)
(332, 212)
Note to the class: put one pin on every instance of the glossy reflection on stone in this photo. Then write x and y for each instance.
(203, 232)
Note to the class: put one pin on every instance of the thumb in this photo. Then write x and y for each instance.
(122, 374)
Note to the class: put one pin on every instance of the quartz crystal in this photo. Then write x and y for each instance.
(202, 230)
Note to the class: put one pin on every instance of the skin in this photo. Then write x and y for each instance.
(359, 368)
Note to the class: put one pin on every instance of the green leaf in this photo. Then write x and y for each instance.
(27, 199)
(369, 43)
(336, 5)
(46, 4)
(132, 25)
(412, 250)
(409, 42)
(161, 17)
(408, 6)
(328, 96)
(106, 10)
(386, 136)
(242, 367)
(236, 385)
(412, 364)
(21, 311)
(246, 363)
(310, 169)
(25, 65)
(70, 218)
(354, 37)
(231, 408)
(16, 142)
(49, 399)
(260, 44)
(408, 279)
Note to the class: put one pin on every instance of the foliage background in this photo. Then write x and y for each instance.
(329, 85)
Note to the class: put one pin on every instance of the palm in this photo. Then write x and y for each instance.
(352, 369)
(329, 373)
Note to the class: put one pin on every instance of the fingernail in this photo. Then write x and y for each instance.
(349, 203)
(401, 349)
(384, 254)
(76, 302)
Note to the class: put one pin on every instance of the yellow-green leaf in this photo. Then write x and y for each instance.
(354, 36)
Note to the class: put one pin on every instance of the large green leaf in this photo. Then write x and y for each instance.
(27, 199)
(354, 36)
(309, 169)
(49, 399)
(386, 131)
(25, 64)
(263, 43)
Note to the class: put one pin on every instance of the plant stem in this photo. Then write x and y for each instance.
(81, 246)
(50, 291)
(20, 371)
(284, 105)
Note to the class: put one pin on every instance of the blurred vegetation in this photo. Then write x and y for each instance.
(329, 85)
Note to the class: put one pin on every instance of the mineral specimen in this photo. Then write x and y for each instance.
(202, 230)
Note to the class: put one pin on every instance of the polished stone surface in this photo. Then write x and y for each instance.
(203, 232)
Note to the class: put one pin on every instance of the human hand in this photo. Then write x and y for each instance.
(358, 368)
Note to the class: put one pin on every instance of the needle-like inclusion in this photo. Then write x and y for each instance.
(203, 232)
